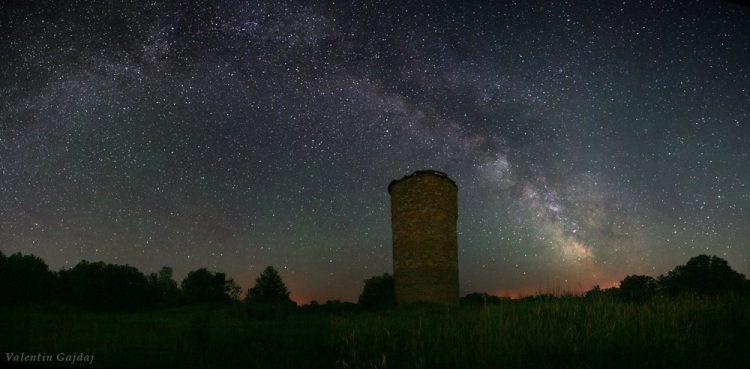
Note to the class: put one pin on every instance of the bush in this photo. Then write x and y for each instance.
(638, 288)
(477, 298)
(378, 293)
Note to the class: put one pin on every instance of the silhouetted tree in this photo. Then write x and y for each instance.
(234, 291)
(269, 298)
(164, 288)
(704, 275)
(269, 289)
(638, 287)
(378, 293)
(204, 286)
(101, 286)
(477, 298)
(25, 278)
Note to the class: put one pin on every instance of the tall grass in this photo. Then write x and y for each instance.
(555, 333)
(558, 333)
(189, 337)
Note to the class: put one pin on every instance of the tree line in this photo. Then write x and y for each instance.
(107, 287)
(702, 275)
(102, 286)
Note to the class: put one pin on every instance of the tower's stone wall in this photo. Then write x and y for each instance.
(424, 210)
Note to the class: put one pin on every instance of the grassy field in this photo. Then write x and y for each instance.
(557, 333)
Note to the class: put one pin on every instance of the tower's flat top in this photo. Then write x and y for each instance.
(436, 173)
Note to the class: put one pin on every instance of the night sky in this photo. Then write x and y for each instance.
(589, 140)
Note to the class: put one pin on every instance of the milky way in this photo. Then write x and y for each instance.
(588, 141)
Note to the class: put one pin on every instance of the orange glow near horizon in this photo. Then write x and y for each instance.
(555, 291)
(303, 291)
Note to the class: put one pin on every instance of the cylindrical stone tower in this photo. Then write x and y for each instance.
(424, 210)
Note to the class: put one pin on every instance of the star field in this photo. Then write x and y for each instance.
(588, 141)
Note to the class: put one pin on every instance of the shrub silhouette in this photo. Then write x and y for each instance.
(638, 288)
(378, 293)
(25, 278)
(331, 306)
(598, 293)
(269, 289)
(201, 286)
(703, 275)
(339, 307)
(101, 286)
(477, 298)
